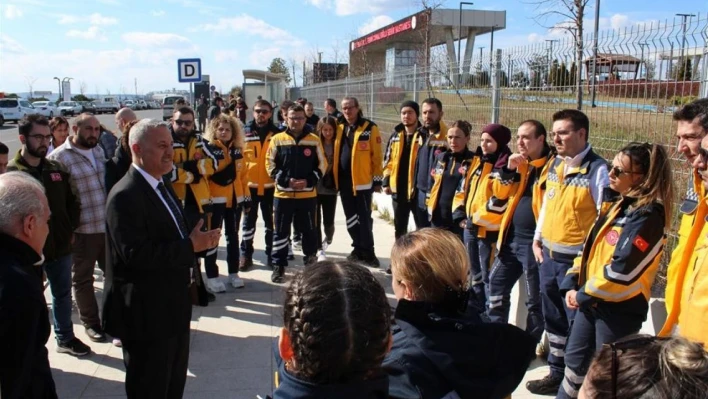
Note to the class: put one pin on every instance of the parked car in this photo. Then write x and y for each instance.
(70, 108)
(87, 106)
(130, 104)
(2, 118)
(143, 104)
(168, 105)
(46, 108)
(106, 105)
(14, 109)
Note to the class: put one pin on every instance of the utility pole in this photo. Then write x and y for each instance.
(136, 87)
(319, 68)
(594, 51)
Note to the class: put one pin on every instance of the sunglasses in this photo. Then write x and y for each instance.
(181, 122)
(617, 171)
(632, 343)
(261, 111)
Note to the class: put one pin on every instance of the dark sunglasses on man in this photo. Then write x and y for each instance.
(181, 122)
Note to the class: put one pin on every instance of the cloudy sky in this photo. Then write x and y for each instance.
(107, 44)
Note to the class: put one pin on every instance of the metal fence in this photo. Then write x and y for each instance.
(643, 73)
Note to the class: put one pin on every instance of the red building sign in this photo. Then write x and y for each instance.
(408, 24)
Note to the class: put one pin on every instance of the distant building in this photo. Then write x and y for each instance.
(324, 72)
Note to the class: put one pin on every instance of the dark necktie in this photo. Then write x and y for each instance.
(174, 208)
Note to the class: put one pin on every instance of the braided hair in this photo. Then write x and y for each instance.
(338, 321)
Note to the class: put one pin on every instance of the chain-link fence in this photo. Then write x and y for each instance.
(641, 75)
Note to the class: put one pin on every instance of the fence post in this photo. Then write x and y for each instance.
(703, 91)
(415, 82)
(371, 97)
(329, 84)
(496, 89)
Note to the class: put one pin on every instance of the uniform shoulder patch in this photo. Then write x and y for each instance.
(640, 243)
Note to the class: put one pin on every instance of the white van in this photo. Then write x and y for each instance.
(168, 105)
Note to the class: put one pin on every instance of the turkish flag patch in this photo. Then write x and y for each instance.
(612, 237)
(378, 139)
(307, 152)
(55, 176)
(640, 243)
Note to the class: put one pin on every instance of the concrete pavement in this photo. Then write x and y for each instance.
(231, 339)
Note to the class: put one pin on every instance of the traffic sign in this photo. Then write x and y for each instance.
(212, 88)
(189, 70)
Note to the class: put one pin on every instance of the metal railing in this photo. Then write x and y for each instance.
(644, 72)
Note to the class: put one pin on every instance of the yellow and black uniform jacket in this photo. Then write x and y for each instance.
(366, 162)
(486, 195)
(257, 143)
(570, 209)
(193, 165)
(229, 183)
(296, 158)
(521, 177)
(453, 164)
(680, 273)
(620, 258)
(392, 156)
(433, 145)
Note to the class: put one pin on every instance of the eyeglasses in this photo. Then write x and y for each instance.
(347, 108)
(617, 171)
(703, 153)
(40, 137)
(297, 119)
(261, 111)
(181, 122)
(632, 343)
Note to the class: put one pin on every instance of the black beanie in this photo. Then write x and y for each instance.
(500, 133)
(411, 104)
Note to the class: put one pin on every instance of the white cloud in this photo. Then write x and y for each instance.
(249, 25)
(261, 57)
(92, 33)
(157, 13)
(535, 38)
(619, 21)
(156, 40)
(12, 12)
(350, 7)
(227, 56)
(374, 23)
(93, 19)
(9, 45)
(98, 19)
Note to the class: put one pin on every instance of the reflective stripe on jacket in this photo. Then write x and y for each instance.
(230, 181)
(193, 164)
(296, 158)
(469, 161)
(257, 176)
(367, 162)
(392, 157)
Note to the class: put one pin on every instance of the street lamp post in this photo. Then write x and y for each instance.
(459, 36)
(59, 93)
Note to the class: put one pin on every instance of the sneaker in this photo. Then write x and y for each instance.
(235, 281)
(210, 297)
(388, 270)
(74, 347)
(325, 245)
(369, 259)
(215, 285)
(245, 264)
(297, 245)
(95, 334)
(291, 254)
(117, 343)
(321, 256)
(278, 273)
(310, 260)
(547, 386)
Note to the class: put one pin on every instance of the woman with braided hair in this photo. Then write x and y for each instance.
(438, 351)
(336, 333)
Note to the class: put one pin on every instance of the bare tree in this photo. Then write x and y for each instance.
(82, 88)
(571, 14)
(30, 84)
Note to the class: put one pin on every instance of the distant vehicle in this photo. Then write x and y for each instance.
(69, 108)
(87, 106)
(46, 108)
(2, 118)
(143, 104)
(168, 105)
(105, 105)
(14, 109)
(131, 104)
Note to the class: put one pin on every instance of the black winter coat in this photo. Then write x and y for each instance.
(437, 352)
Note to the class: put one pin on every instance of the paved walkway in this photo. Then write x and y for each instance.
(231, 340)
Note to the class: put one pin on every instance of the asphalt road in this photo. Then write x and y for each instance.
(9, 132)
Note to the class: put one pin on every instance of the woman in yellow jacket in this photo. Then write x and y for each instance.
(229, 192)
(484, 208)
(610, 283)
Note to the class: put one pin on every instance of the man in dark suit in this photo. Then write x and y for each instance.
(151, 253)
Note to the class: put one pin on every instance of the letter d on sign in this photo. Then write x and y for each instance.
(189, 70)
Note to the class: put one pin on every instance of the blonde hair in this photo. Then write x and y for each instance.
(237, 137)
(432, 261)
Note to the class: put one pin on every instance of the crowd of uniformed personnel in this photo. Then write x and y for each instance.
(587, 234)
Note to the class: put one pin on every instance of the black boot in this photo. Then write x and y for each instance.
(548, 385)
(278, 274)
